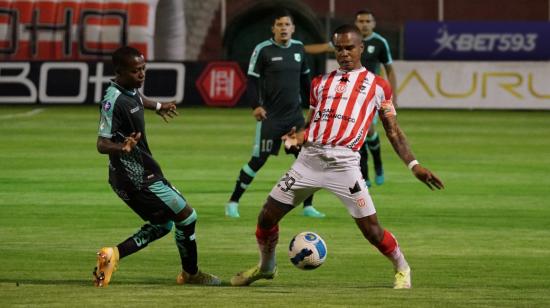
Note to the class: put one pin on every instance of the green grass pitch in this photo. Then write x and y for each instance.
(484, 241)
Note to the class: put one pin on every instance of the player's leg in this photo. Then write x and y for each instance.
(267, 237)
(373, 143)
(184, 216)
(246, 176)
(386, 243)
(264, 145)
(308, 210)
(299, 122)
(289, 192)
(352, 191)
(150, 208)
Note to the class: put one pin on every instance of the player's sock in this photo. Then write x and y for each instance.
(246, 176)
(187, 247)
(390, 248)
(308, 201)
(373, 143)
(147, 234)
(267, 241)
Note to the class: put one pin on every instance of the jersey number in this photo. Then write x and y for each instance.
(267, 145)
(287, 181)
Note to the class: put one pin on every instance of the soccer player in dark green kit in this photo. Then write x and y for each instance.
(376, 52)
(276, 73)
(137, 178)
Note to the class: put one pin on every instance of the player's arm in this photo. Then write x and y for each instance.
(107, 146)
(164, 109)
(401, 146)
(253, 96)
(294, 138)
(318, 48)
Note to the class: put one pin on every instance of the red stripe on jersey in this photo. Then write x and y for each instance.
(324, 96)
(333, 108)
(314, 88)
(360, 120)
(349, 106)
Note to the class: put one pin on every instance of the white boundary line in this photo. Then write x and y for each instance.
(22, 115)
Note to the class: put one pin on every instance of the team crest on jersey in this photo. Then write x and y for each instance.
(341, 88)
(107, 106)
(370, 49)
(297, 57)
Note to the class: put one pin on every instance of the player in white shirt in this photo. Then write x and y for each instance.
(342, 106)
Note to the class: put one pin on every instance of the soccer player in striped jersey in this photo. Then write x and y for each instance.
(276, 74)
(376, 52)
(343, 104)
(137, 178)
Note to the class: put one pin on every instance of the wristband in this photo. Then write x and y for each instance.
(159, 106)
(412, 164)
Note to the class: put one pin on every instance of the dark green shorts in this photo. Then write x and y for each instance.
(269, 132)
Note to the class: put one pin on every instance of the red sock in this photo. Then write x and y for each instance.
(388, 244)
(267, 241)
(264, 235)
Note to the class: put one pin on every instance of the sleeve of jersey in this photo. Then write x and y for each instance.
(106, 119)
(385, 55)
(313, 98)
(255, 64)
(386, 106)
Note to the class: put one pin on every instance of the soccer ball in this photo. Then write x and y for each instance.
(307, 250)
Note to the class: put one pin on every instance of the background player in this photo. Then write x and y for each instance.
(342, 107)
(137, 178)
(276, 73)
(376, 51)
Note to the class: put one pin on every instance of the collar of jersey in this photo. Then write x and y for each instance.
(372, 35)
(357, 70)
(123, 90)
(279, 45)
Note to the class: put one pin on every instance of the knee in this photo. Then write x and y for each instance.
(166, 228)
(272, 212)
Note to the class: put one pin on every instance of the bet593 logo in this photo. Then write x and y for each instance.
(485, 42)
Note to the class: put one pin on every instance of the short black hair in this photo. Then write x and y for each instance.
(120, 56)
(347, 28)
(364, 12)
(280, 13)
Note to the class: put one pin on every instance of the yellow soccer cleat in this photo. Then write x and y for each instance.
(249, 276)
(403, 279)
(199, 278)
(107, 263)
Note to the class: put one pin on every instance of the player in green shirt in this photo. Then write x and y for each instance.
(137, 178)
(276, 74)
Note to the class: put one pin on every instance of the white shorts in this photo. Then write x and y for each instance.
(333, 168)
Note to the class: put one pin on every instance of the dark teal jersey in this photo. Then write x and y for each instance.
(279, 69)
(121, 114)
(376, 51)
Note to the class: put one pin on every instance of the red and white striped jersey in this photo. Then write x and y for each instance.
(344, 105)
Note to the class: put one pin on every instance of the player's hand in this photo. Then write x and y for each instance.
(259, 113)
(130, 142)
(291, 140)
(427, 177)
(168, 110)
